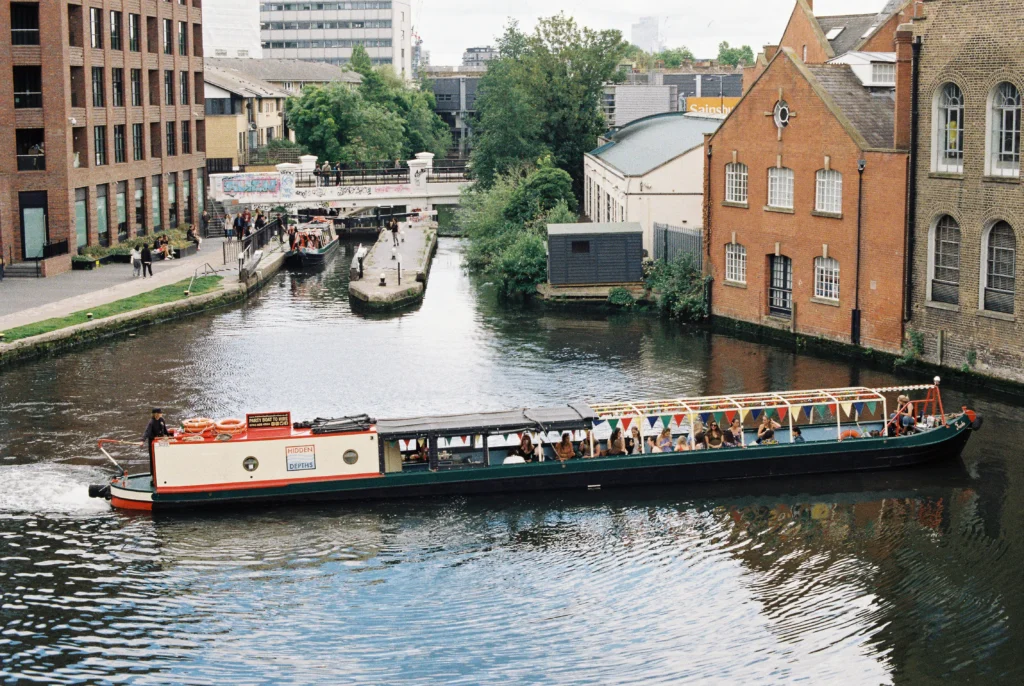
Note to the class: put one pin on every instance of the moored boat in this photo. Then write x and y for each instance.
(315, 243)
(268, 459)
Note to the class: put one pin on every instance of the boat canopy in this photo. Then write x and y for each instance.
(564, 417)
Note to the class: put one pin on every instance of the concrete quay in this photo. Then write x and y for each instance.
(410, 260)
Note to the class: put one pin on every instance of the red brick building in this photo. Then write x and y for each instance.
(101, 123)
(805, 195)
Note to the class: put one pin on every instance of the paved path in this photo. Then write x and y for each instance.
(412, 254)
(25, 301)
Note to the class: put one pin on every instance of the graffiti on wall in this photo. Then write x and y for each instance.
(252, 184)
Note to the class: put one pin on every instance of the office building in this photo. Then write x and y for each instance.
(231, 28)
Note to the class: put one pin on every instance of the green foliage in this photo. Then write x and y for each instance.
(681, 289)
(285, 144)
(540, 193)
(176, 237)
(541, 95)
(674, 57)
(734, 57)
(913, 347)
(972, 357)
(521, 266)
(360, 61)
(620, 297)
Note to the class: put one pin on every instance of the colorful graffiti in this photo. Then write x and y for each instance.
(252, 184)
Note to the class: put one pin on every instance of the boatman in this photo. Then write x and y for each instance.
(157, 428)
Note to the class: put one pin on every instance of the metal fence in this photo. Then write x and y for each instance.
(245, 247)
(671, 241)
(352, 177)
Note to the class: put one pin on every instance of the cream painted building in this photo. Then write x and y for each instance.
(242, 115)
(650, 171)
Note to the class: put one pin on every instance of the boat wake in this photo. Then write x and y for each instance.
(50, 488)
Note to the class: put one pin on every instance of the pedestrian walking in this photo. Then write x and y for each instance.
(136, 262)
(147, 260)
(204, 224)
(394, 231)
(240, 226)
(229, 227)
(1, 267)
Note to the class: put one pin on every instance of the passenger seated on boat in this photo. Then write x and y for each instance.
(729, 439)
(563, 449)
(682, 445)
(906, 413)
(616, 444)
(514, 459)
(798, 436)
(663, 444)
(525, 449)
(421, 454)
(736, 432)
(766, 431)
(585, 448)
(634, 443)
(699, 436)
(714, 437)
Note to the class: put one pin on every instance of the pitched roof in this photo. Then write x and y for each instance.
(285, 70)
(646, 144)
(872, 114)
(854, 27)
(240, 84)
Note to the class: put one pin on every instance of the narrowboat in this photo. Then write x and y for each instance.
(266, 458)
(315, 243)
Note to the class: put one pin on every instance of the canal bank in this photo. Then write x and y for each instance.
(393, 275)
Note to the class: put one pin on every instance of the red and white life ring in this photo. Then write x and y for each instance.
(197, 425)
(230, 426)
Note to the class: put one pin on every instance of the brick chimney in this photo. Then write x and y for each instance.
(904, 86)
(769, 52)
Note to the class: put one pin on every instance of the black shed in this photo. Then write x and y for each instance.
(590, 254)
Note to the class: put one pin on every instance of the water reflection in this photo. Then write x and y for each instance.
(905, 577)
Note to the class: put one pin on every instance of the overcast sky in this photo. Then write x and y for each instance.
(450, 26)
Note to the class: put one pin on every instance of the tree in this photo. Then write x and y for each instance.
(675, 57)
(360, 61)
(735, 57)
(540, 193)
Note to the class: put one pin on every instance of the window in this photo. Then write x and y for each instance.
(140, 207)
(780, 188)
(121, 209)
(735, 263)
(96, 27)
(580, 247)
(134, 32)
(780, 292)
(171, 139)
(183, 87)
(30, 147)
(117, 86)
(736, 182)
(24, 23)
(102, 220)
(28, 87)
(81, 217)
(186, 138)
(168, 37)
(826, 278)
(154, 202)
(182, 38)
(75, 27)
(97, 87)
(949, 134)
(119, 143)
(1000, 269)
(883, 73)
(138, 143)
(115, 30)
(1004, 146)
(829, 194)
(168, 87)
(136, 77)
(834, 32)
(172, 200)
(945, 284)
(99, 140)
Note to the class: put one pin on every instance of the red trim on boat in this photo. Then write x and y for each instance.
(263, 435)
(251, 485)
(131, 504)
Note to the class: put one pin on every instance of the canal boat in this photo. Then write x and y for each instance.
(316, 243)
(266, 458)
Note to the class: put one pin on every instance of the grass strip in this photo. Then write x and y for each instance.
(157, 296)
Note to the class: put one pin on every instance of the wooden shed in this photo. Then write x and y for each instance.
(593, 254)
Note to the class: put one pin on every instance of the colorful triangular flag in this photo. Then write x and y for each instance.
(704, 417)
(679, 419)
(808, 411)
(782, 413)
(613, 423)
(653, 420)
(872, 405)
(720, 418)
(847, 408)
(743, 414)
(730, 415)
(859, 407)
(755, 413)
(626, 421)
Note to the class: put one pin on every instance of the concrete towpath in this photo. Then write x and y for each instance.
(414, 253)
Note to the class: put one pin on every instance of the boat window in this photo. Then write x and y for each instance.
(350, 457)
(460, 452)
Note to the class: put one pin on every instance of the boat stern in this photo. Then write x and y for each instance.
(133, 492)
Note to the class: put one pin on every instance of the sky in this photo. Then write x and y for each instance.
(450, 26)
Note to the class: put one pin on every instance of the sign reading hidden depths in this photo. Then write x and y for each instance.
(269, 420)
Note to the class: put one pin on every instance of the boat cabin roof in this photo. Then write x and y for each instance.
(564, 417)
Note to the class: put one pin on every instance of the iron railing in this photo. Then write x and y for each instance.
(351, 177)
(671, 241)
(448, 173)
(55, 248)
(243, 248)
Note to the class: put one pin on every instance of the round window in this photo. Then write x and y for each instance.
(781, 114)
(350, 457)
(250, 464)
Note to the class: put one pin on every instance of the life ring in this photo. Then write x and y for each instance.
(230, 426)
(197, 425)
(851, 433)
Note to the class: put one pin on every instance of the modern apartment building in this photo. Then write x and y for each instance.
(231, 28)
(478, 57)
(327, 31)
(101, 109)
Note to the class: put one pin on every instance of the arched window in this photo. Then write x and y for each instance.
(829, 192)
(946, 261)
(780, 188)
(735, 263)
(826, 278)
(1000, 269)
(949, 130)
(1004, 143)
(736, 182)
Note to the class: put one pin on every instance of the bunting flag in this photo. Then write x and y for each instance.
(720, 418)
(679, 419)
(743, 414)
(613, 423)
(730, 415)
(859, 407)
(809, 411)
(871, 406)
(833, 408)
(822, 411)
(466, 439)
(626, 421)
(782, 413)
(756, 413)
(704, 417)
(654, 420)
(598, 421)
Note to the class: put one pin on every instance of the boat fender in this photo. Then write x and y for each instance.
(99, 491)
(977, 422)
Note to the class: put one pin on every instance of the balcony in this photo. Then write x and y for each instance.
(30, 149)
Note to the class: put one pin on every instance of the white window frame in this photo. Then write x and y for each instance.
(888, 69)
(828, 196)
(736, 177)
(826, 278)
(1002, 145)
(780, 188)
(735, 263)
(948, 129)
(933, 237)
(986, 260)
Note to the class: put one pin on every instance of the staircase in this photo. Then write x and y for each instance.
(22, 270)
(215, 229)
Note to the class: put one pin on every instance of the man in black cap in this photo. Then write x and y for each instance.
(157, 428)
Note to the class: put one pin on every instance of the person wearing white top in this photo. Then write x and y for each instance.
(136, 261)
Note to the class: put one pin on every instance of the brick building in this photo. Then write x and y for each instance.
(101, 112)
(805, 190)
(968, 208)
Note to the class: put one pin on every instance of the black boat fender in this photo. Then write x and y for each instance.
(99, 491)
(977, 422)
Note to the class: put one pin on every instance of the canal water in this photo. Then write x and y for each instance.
(903, 577)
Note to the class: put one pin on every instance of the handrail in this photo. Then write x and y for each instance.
(115, 441)
(207, 269)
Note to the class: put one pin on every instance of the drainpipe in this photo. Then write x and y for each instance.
(707, 211)
(855, 315)
(908, 248)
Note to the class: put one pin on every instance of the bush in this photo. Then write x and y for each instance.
(176, 237)
(521, 266)
(681, 288)
(620, 297)
(913, 347)
(541, 191)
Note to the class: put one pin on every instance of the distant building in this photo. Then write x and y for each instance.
(327, 31)
(623, 103)
(478, 57)
(231, 28)
(420, 57)
(455, 96)
(288, 75)
(242, 115)
(651, 171)
(646, 34)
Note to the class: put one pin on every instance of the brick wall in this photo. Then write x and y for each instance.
(803, 31)
(967, 43)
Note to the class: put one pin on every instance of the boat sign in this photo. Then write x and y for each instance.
(300, 457)
(269, 420)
